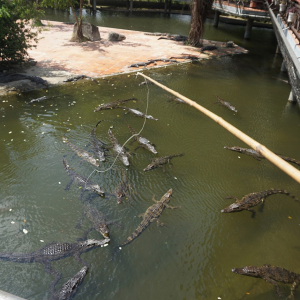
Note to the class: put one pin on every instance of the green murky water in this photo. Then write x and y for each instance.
(193, 256)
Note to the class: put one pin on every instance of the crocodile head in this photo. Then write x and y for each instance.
(97, 189)
(232, 208)
(248, 271)
(103, 229)
(90, 243)
(149, 167)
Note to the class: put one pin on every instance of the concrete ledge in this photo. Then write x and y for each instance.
(7, 296)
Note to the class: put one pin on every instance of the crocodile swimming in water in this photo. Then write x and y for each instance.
(122, 190)
(272, 274)
(82, 181)
(226, 104)
(252, 200)
(139, 113)
(114, 104)
(151, 214)
(121, 152)
(144, 143)
(161, 161)
(69, 288)
(98, 219)
(81, 153)
(55, 251)
(258, 156)
(98, 146)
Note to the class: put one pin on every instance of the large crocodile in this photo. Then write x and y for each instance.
(252, 200)
(144, 143)
(272, 274)
(226, 104)
(139, 113)
(69, 288)
(55, 251)
(174, 37)
(82, 181)
(258, 156)
(122, 190)
(151, 214)
(82, 153)
(99, 147)
(114, 104)
(98, 219)
(121, 152)
(161, 161)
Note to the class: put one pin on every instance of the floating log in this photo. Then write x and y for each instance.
(261, 149)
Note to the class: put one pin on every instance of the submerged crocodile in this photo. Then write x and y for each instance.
(272, 274)
(121, 152)
(151, 214)
(98, 219)
(82, 153)
(122, 190)
(41, 99)
(258, 156)
(144, 143)
(112, 105)
(252, 200)
(226, 104)
(161, 161)
(139, 113)
(55, 251)
(98, 146)
(69, 289)
(82, 181)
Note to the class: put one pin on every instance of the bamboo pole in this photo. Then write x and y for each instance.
(261, 149)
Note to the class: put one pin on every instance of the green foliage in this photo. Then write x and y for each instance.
(15, 31)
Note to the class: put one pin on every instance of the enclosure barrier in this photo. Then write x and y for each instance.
(272, 157)
(7, 296)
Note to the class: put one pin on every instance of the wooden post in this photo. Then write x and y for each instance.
(216, 18)
(248, 30)
(269, 155)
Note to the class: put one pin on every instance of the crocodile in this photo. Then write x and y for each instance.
(174, 37)
(157, 33)
(161, 161)
(41, 99)
(82, 153)
(139, 113)
(142, 64)
(272, 275)
(122, 190)
(55, 251)
(142, 141)
(78, 77)
(226, 104)
(69, 288)
(82, 181)
(15, 77)
(187, 56)
(152, 214)
(99, 147)
(98, 219)
(258, 156)
(208, 48)
(176, 99)
(114, 104)
(252, 200)
(121, 152)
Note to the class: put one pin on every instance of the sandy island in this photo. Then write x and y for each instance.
(57, 58)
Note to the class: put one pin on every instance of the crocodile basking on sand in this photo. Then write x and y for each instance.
(258, 156)
(55, 251)
(152, 214)
(272, 275)
(122, 190)
(82, 153)
(82, 181)
(78, 77)
(252, 200)
(69, 288)
(161, 161)
(98, 146)
(174, 37)
(98, 219)
(114, 104)
(144, 143)
(226, 104)
(118, 149)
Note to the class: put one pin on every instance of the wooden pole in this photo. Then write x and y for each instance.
(269, 155)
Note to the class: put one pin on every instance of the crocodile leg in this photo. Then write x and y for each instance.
(153, 199)
(293, 288)
(253, 213)
(171, 207)
(275, 285)
(141, 215)
(79, 259)
(69, 184)
(231, 197)
(160, 223)
(114, 223)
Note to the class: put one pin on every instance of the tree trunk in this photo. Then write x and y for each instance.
(199, 12)
(79, 35)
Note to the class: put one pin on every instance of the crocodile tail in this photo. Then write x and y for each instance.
(277, 191)
(98, 123)
(297, 162)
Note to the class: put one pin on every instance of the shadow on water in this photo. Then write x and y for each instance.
(193, 256)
